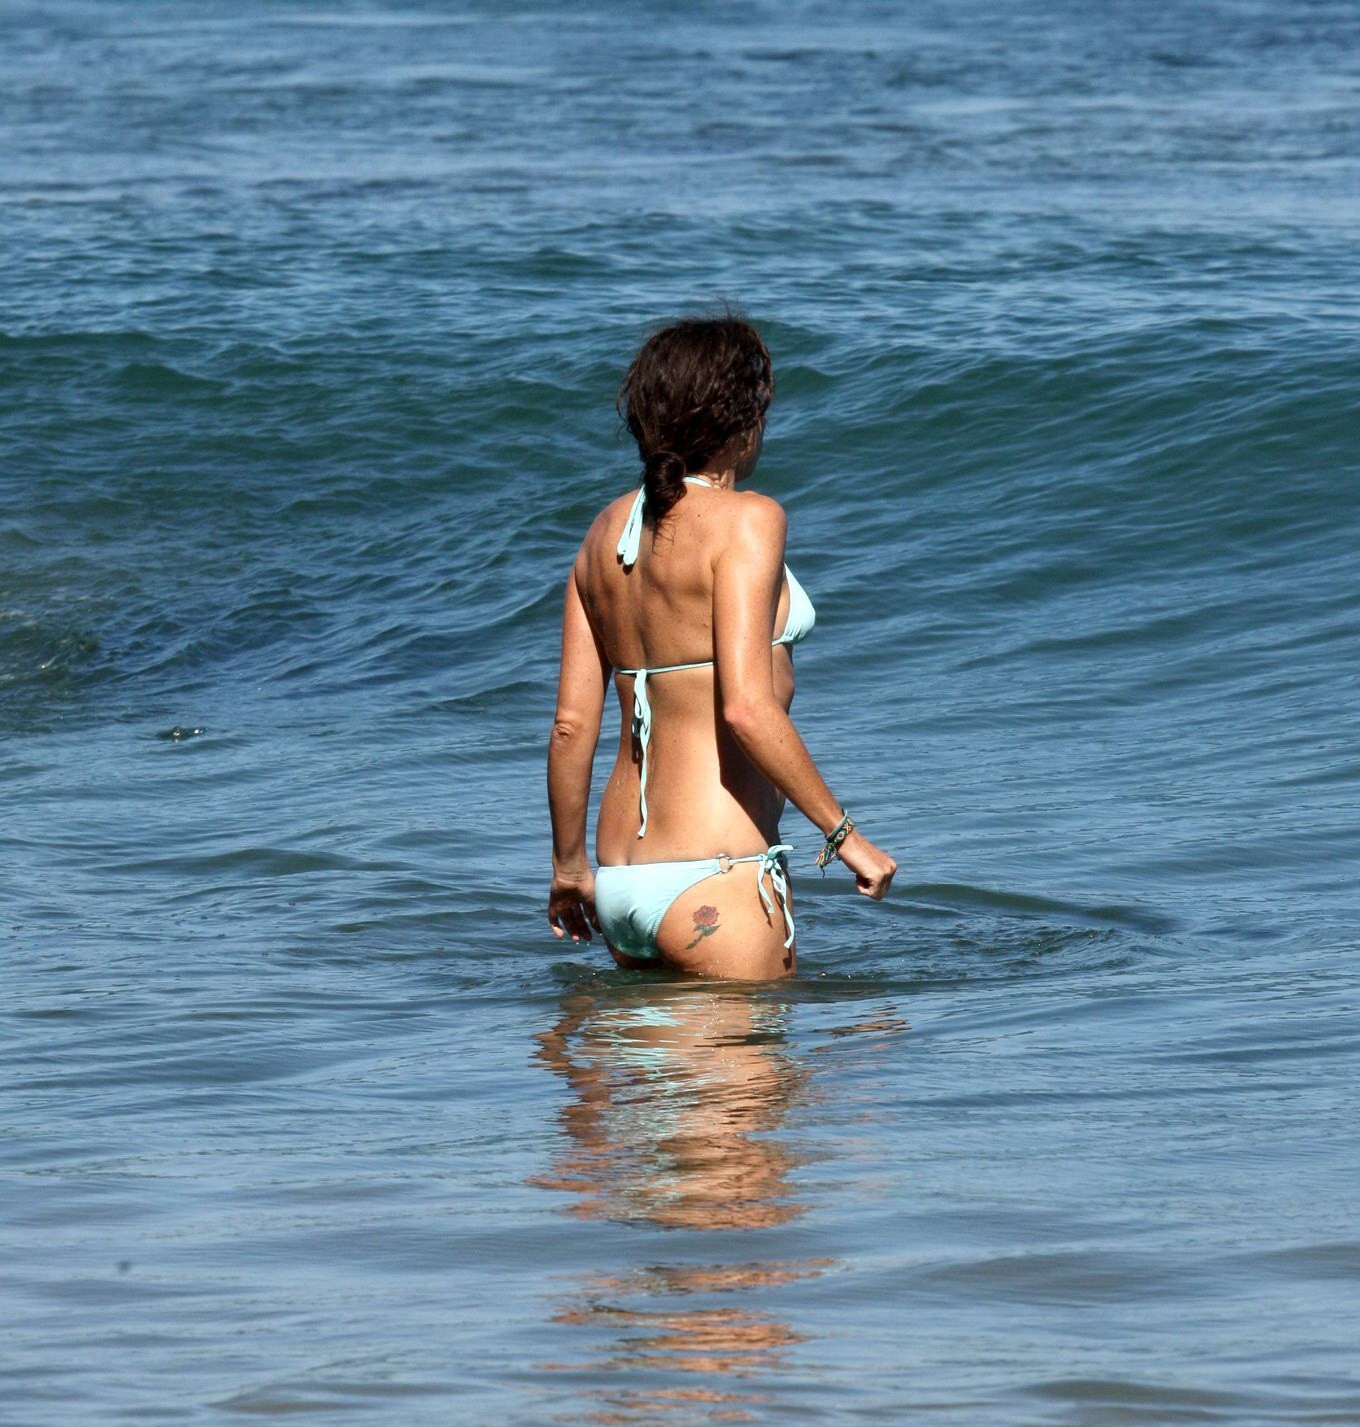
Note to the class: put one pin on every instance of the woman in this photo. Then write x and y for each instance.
(681, 594)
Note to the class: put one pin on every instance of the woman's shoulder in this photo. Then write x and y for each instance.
(610, 521)
(757, 516)
(748, 516)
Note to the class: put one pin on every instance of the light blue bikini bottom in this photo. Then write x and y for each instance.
(631, 901)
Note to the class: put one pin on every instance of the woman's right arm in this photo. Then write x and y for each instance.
(746, 586)
(581, 686)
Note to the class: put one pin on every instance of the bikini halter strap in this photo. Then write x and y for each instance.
(630, 542)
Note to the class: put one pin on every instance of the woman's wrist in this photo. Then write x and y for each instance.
(576, 865)
(835, 840)
(828, 824)
(838, 824)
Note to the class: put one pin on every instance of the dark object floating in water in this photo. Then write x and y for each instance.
(179, 732)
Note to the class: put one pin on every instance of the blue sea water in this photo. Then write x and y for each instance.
(310, 322)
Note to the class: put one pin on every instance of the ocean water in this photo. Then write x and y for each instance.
(310, 322)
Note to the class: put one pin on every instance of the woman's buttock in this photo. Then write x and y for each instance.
(705, 918)
(723, 927)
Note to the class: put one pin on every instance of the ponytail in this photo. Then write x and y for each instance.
(663, 478)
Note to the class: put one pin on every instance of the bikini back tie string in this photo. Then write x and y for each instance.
(642, 721)
(630, 542)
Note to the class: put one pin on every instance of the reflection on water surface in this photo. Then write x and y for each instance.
(678, 1119)
(678, 1095)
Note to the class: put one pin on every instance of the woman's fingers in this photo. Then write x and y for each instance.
(884, 881)
(875, 884)
(873, 868)
(567, 917)
(571, 907)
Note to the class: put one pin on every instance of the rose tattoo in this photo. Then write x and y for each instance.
(705, 924)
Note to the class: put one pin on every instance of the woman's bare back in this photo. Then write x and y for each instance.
(703, 793)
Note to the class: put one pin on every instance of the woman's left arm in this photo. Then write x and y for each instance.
(581, 689)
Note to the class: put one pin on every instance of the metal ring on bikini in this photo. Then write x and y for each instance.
(724, 862)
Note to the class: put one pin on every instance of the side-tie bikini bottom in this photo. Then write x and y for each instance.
(631, 901)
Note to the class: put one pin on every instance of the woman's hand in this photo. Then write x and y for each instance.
(873, 868)
(571, 904)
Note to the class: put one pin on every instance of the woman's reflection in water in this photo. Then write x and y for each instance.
(672, 1085)
(678, 1094)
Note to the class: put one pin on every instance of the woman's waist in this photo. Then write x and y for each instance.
(721, 858)
(689, 761)
(700, 829)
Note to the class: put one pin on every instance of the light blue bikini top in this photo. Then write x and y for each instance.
(797, 625)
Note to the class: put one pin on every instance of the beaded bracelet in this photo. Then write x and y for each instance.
(831, 850)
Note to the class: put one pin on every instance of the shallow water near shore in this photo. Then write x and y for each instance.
(308, 340)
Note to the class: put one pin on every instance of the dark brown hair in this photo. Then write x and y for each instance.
(695, 386)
